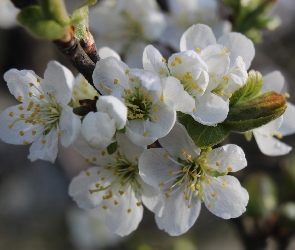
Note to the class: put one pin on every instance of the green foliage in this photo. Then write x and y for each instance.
(204, 136)
(249, 90)
(112, 148)
(33, 19)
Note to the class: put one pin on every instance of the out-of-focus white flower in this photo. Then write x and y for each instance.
(123, 24)
(280, 127)
(99, 128)
(186, 176)
(88, 230)
(114, 185)
(7, 14)
(209, 70)
(152, 101)
(44, 114)
(184, 14)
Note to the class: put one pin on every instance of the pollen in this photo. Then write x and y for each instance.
(127, 71)
(138, 204)
(167, 195)
(198, 50)
(156, 118)
(20, 108)
(229, 95)
(198, 186)
(217, 164)
(31, 84)
(208, 181)
(145, 134)
(166, 155)
(156, 109)
(116, 81)
(43, 141)
(21, 133)
(10, 114)
(178, 60)
(132, 79)
(188, 156)
(229, 169)
(214, 195)
(280, 136)
(105, 207)
(172, 64)
(109, 91)
(129, 210)
(161, 72)
(102, 85)
(41, 97)
(30, 94)
(183, 152)
(223, 184)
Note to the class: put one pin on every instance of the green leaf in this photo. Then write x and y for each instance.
(80, 19)
(33, 19)
(183, 118)
(249, 90)
(112, 148)
(259, 111)
(206, 136)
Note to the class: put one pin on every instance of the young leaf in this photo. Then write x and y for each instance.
(112, 148)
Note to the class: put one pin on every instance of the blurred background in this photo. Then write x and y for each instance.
(37, 213)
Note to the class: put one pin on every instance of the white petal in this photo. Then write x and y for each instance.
(154, 167)
(153, 24)
(105, 73)
(238, 45)
(177, 141)
(98, 130)
(147, 79)
(288, 125)
(273, 81)
(130, 151)
(225, 197)
(105, 52)
(59, 81)
(119, 219)
(271, 127)
(237, 75)
(86, 180)
(152, 60)
(18, 83)
(12, 135)
(210, 109)
(114, 108)
(70, 126)
(271, 146)
(221, 28)
(198, 36)
(228, 158)
(173, 90)
(177, 218)
(45, 151)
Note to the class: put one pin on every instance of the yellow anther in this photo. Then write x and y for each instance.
(10, 114)
(228, 53)
(102, 85)
(162, 184)
(223, 53)
(167, 195)
(115, 202)
(109, 91)
(129, 210)
(132, 79)
(116, 81)
(121, 192)
(198, 186)
(201, 90)
(178, 60)
(59, 133)
(189, 206)
(214, 195)
(217, 164)
(102, 178)
(229, 169)
(105, 207)
(209, 205)
(198, 50)
(156, 117)
(94, 159)
(25, 142)
(138, 204)
(163, 60)
(19, 98)
(203, 177)
(280, 136)
(183, 152)
(145, 134)
(43, 141)
(52, 96)
(136, 158)
(98, 172)
(171, 172)
(86, 160)
(186, 198)
(156, 109)
(31, 84)
(229, 95)
(103, 153)
(30, 94)
(208, 181)
(41, 97)
(161, 72)
(188, 156)
(127, 71)
(287, 95)
(130, 168)
(139, 185)
(87, 173)
(34, 132)
(172, 63)
(162, 98)
(37, 79)
(166, 155)
(223, 184)
(21, 133)
(20, 108)
(272, 134)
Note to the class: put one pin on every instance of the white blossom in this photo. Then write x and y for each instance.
(184, 14)
(186, 176)
(99, 128)
(127, 26)
(43, 115)
(8, 14)
(209, 70)
(282, 126)
(114, 185)
(152, 101)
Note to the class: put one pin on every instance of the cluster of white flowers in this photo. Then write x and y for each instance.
(138, 111)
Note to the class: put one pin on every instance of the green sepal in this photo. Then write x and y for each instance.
(112, 148)
(248, 135)
(122, 131)
(80, 19)
(202, 135)
(33, 19)
(249, 90)
(217, 174)
(259, 111)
